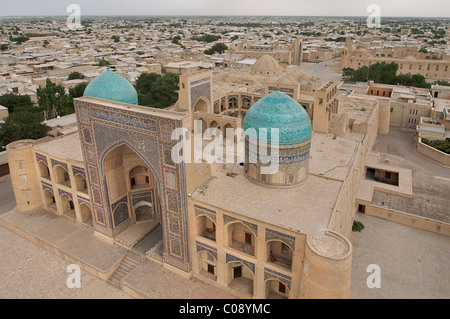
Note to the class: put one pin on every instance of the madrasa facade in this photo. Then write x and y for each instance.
(259, 235)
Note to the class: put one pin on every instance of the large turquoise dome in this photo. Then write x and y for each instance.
(278, 110)
(113, 87)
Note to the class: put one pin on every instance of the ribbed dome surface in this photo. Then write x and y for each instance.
(113, 87)
(265, 64)
(278, 110)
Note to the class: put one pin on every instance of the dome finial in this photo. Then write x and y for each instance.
(107, 67)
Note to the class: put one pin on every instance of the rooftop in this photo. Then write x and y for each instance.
(67, 147)
(296, 209)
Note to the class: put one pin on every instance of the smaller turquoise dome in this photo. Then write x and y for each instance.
(279, 110)
(113, 87)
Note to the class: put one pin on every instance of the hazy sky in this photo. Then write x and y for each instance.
(399, 8)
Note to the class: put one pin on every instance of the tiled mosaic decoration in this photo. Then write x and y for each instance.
(103, 128)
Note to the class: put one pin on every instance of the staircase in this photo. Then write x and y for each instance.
(130, 262)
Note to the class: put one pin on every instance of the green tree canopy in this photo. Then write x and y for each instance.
(22, 125)
(78, 90)
(207, 38)
(157, 91)
(54, 101)
(385, 73)
(75, 76)
(16, 102)
(218, 47)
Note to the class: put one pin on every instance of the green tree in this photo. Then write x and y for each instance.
(347, 72)
(219, 47)
(78, 90)
(75, 76)
(22, 125)
(15, 102)
(54, 101)
(4, 47)
(438, 82)
(157, 91)
(102, 63)
(416, 80)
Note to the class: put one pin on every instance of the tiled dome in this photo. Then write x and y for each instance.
(278, 110)
(113, 87)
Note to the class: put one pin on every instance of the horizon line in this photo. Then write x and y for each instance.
(217, 15)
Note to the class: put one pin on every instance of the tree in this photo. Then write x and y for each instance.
(218, 47)
(416, 80)
(22, 125)
(157, 91)
(102, 63)
(54, 101)
(75, 76)
(16, 102)
(207, 38)
(385, 73)
(438, 82)
(78, 90)
(347, 72)
(4, 47)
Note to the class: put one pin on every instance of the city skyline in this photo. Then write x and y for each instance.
(300, 8)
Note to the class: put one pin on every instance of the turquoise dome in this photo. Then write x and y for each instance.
(113, 87)
(278, 110)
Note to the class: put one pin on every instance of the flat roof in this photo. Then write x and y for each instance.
(296, 209)
(306, 209)
(62, 121)
(66, 146)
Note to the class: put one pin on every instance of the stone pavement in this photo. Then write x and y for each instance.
(76, 244)
(29, 271)
(414, 263)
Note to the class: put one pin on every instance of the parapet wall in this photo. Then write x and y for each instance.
(432, 153)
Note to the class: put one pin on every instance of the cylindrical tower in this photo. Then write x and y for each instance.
(327, 267)
(22, 167)
(278, 134)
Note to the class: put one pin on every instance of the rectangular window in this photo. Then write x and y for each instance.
(20, 163)
(211, 269)
(281, 288)
(248, 238)
(26, 193)
(284, 248)
(23, 178)
(237, 272)
(392, 110)
(291, 178)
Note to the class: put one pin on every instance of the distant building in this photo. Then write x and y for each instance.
(430, 65)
